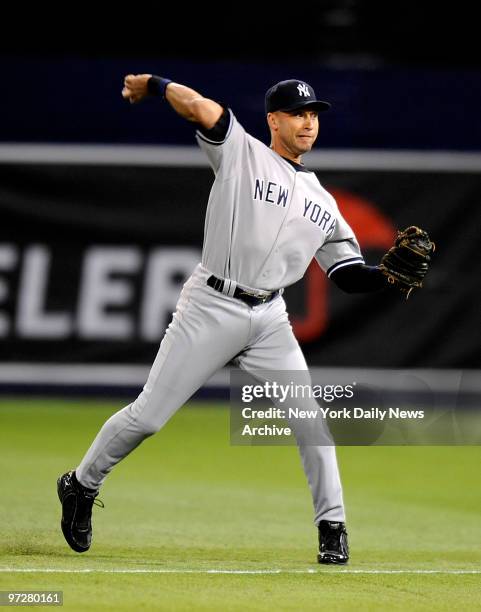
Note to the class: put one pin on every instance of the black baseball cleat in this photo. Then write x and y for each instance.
(77, 502)
(333, 547)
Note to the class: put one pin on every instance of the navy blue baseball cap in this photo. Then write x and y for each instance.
(293, 94)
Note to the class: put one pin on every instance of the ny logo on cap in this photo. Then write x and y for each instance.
(303, 90)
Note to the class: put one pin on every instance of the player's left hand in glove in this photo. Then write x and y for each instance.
(407, 262)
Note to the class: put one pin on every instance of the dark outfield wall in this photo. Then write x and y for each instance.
(75, 100)
(92, 260)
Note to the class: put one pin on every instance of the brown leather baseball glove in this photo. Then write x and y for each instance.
(407, 262)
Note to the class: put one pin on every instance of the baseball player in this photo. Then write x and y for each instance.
(267, 218)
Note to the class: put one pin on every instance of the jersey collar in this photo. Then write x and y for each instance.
(297, 167)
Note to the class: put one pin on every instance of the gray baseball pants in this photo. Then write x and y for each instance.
(208, 329)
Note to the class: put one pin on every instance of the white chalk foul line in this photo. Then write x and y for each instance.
(234, 571)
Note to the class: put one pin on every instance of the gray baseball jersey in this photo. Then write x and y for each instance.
(267, 219)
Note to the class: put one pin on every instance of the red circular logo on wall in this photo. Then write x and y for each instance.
(373, 230)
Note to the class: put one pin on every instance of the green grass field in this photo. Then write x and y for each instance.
(186, 504)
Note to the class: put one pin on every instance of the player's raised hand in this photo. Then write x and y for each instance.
(135, 87)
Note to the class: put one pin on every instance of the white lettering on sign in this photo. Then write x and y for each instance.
(161, 292)
(99, 291)
(33, 320)
(121, 293)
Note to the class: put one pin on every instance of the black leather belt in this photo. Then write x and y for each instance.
(248, 298)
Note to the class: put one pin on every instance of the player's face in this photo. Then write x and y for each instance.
(298, 130)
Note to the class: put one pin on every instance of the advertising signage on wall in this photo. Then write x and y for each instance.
(92, 260)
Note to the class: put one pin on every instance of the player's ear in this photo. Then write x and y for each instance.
(272, 121)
